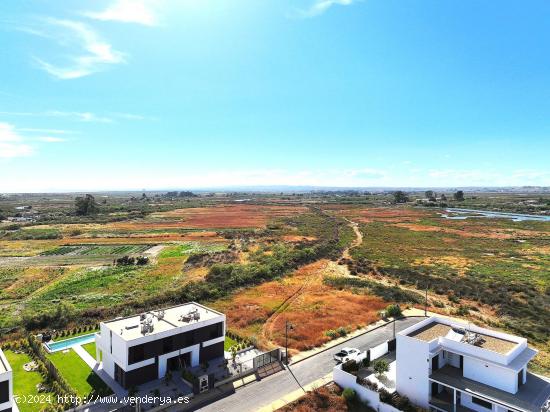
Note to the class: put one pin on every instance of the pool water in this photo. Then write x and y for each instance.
(67, 343)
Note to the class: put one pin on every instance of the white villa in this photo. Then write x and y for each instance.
(138, 349)
(446, 365)
(6, 385)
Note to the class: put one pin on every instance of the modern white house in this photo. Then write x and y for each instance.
(6, 385)
(446, 365)
(138, 349)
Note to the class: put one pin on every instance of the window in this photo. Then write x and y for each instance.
(136, 354)
(482, 402)
(168, 344)
(4, 391)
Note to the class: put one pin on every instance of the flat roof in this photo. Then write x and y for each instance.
(530, 396)
(436, 329)
(161, 320)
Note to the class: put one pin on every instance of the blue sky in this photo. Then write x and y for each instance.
(160, 94)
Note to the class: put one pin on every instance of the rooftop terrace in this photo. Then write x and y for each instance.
(459, 333)
(158, 321)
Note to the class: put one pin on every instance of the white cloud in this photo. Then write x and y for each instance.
(92, 53)
(320, 6)
(78, 116)
(11, 143)
(127, 11)
(51, 139)
(48, 131)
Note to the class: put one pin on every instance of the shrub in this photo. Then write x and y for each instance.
(393, 311)
(331, 333)
(349, 395)
(342, 331)
(381, 366)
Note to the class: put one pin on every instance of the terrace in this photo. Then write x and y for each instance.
(530, 396)
(161, 321)
(436, 330)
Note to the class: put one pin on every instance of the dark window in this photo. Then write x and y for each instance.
(136, 354)
(435, 363)
(481, 402)
(168, 344)
(216, 330)
(4, 391)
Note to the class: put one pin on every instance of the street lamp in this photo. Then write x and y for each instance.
(288, 326)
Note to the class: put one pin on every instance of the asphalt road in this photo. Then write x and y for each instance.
(262, 393)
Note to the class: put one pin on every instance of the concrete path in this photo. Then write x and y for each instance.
(276, 390)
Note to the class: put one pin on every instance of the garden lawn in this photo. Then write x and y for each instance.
(77, 373)
(90, 348)
(228, 343)
(24, 383)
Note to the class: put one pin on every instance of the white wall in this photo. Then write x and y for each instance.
(372, 398)
(489, 374)
(413, 366)
(7, 376)
(466, 400)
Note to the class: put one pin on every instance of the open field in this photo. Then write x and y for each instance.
(312, 307)
(294, 258)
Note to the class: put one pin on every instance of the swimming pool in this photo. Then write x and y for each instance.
(67, 343)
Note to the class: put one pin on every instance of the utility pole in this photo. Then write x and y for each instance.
(426, 303)
(288, 326)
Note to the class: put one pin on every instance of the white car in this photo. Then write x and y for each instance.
(346, 354)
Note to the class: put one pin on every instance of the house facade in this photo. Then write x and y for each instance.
(6, 385)
(137, 349)
(445, 365)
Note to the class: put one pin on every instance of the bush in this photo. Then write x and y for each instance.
(393, 311)
(349, 395)
(381, 366)
(342, 331)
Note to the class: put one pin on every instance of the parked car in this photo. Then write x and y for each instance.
(346, 354)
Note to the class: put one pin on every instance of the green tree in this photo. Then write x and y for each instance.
(393, 311)
(400, 197)
(459, 195)
(380, 367)
(86, 205)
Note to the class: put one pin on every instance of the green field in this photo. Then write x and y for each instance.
(189, 248)
(90, 348)
(228, 343)
(24, 383)
(77, 373)
(96, 250)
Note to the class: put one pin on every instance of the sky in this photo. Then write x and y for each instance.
(176, 94)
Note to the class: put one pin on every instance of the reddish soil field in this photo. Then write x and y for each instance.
(324, 399)
(302, 299)
(216, 217)
(383, 214)
(233, 216)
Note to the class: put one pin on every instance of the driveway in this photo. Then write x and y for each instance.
(262, 393)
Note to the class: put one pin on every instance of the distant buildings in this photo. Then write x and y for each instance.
(141, 348)
(6, 385)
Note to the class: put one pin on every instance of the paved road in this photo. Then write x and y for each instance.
(262, 393)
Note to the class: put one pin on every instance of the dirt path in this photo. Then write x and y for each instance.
(268, 328)
(358, 238)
